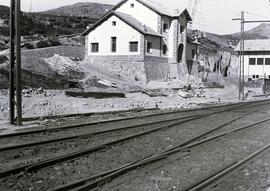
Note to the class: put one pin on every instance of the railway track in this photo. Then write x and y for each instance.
(86, 134)
(127, 119)
(88, 114)
(145, 160)
(92, 128)
(212, 179)
(105, 177)
(45, 136)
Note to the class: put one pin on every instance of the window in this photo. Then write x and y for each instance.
(165, 27)
(114, 23)
(165, 49)
(269, 76)
(133, 46)
(113, 40)
(132, 5)
(94, 47)
(267, 61)
(255, 76)
(182, 28)
(149, 47)
(252, 61)
(259, 61)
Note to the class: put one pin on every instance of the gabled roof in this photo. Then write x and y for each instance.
(159, 8)
(128, 19)
(255, 45)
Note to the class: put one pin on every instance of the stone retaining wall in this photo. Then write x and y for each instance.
(157, 68)
(133, 67)
(68, 51)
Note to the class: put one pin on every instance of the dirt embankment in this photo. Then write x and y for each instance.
(45, 68)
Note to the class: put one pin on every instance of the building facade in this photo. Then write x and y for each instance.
(257, 59)
(141, 34)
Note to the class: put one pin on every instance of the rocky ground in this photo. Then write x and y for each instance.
(39, 102)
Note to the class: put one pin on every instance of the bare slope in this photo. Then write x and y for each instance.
(260, 32)
(91, 10)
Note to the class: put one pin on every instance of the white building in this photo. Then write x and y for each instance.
(141, 34)
(257, 59)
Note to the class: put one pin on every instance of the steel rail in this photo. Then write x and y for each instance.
(127, 118)
(83, 181)
(118, 172)
(83, 135)
(83, 152)
(222, 173)
(87, 151)
(88, 114)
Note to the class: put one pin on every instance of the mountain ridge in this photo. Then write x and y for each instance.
(81, 9)
(75, 18)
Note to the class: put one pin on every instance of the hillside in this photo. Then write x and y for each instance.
(45, 26)
(260, 32)
(91, 10)
(42, 28)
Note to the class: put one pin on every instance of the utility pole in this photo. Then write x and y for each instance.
(242, 53)
(31, 3)
(15, 99)
(242, 56)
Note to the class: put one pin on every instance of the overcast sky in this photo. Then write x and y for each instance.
(213, 15)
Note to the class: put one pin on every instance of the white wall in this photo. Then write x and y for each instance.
(124, 33)
(171, 38)
(141, 13)
(260, 70)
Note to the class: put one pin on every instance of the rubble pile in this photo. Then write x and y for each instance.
(29, 92)
(65, 67)
(192, 92)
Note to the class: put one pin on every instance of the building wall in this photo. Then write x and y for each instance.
(141, 13)
(191, 47)
(166, 34)
(172, 41)
(191, 60)
(155, 45)
(261, 70)
(122, 31)
(183, 36)
(179, 38)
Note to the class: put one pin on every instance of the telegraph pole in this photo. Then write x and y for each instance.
(15, 99)
(242, 56)
(242, 51)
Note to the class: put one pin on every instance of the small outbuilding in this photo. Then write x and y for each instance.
(257, 59)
